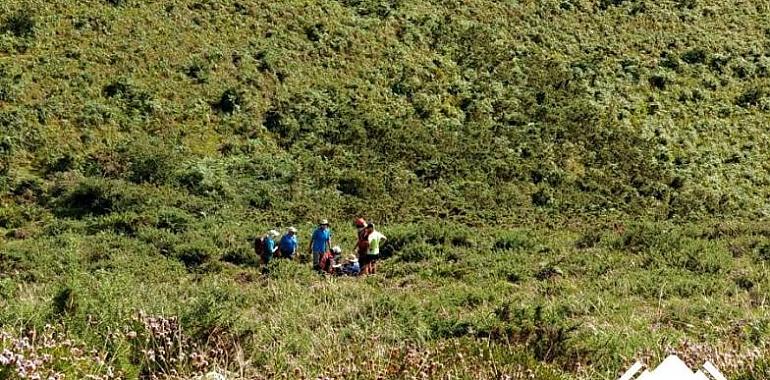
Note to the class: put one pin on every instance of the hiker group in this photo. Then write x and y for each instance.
(325, 257)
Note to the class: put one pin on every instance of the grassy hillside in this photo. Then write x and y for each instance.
(566, 184)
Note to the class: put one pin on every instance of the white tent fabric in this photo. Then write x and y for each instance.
(673, 368)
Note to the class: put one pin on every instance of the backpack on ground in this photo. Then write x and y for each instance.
(259, 246)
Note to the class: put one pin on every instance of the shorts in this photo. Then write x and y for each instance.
(287, 255)
(368, 259)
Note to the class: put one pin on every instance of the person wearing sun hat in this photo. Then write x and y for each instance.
(268, 246)
(320, 242)
(351, 267)
(288, 244)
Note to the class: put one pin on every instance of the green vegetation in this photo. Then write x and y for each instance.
(565, 185)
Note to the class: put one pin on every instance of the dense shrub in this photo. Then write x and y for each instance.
(589, 239)
(763, 251)
(417, 252)
(230, 101)
(95, 197)
(120, 223)
(380, 9)
(659, 82)
(649, 237)
(241, 256)
(151, 161)
(20, 24)
(542, 198)
(750, 97)
(696, 55)
(173, 219)
(214, 313)
(606, 4)
(400, 238)
(545, 332)
(355, 184)
(65, 301)
(205, 179)
(513, 241)
(194, 254)
(134, 100)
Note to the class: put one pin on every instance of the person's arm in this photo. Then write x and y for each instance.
(329, 243)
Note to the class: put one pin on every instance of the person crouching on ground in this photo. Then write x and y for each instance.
(375, 240)
(350, 267)
(329, 259)
(288, 244)
(320, 242)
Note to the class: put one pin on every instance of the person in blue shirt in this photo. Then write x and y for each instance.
(288, 244)
(320, 242)
(268, 246)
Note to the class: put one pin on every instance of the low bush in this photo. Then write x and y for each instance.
(205, 179)
(20, 24)
(163, 240)
(230, 101)
(399, 238)
(763, 251)
(126, 223)
(173, 219)
(198, 70)
(589, 239)
(546, 333)
(151, 161)
(214, 312)
(94, 197)
(194, 254)
(695, 56)
(134, 100)
(417, 252)
(244, 256)
(751, 97)
(513, 241)
(649, 237)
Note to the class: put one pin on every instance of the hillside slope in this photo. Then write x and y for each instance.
(546, 169)
(472, 109)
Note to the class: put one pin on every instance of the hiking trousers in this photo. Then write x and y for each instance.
(317, 259)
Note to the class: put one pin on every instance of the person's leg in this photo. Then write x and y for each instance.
(266, 262)
(316, 260)
(362, 263)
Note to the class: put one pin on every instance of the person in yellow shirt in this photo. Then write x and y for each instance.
(375, 240)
